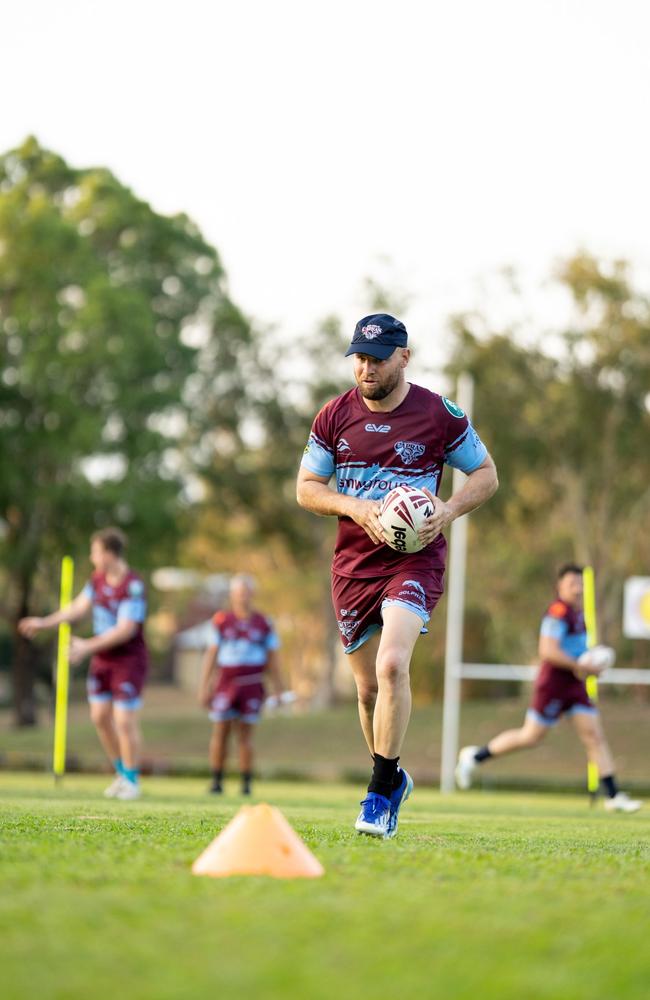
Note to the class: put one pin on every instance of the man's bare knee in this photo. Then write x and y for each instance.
(391, 666)
(367, 694)
(101, 715)
(125, 724)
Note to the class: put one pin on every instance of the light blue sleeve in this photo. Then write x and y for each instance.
(318, 458)
(467, 452)
(89, 591)
(555, 628)
(134, 607)
(272, 640)
(216, 636)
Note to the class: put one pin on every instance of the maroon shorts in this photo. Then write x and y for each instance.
(238, 695)
(558, 692)
(359, 601)
(120, 680)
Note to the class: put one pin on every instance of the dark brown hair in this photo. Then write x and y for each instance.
(112, 539)
(568, 568)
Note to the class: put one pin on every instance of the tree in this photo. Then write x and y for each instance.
(569, 431)
(99, 300)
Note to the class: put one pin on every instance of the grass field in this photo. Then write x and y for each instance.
(483, 895)
(328, 745)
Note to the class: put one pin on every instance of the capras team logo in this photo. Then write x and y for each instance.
(371, 331)
(378, 428)
(409, 451)
(342, 445)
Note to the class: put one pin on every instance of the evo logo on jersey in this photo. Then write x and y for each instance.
(378, 428)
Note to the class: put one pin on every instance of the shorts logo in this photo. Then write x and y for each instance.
(347, 622)
(371, 331)
(409, 451)
(348, 627)
(378, 428)
(453, 408)
(342, 445)
(413, 592)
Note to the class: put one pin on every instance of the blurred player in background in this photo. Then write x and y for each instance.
(116, 597)
(560, 689)
(384, 433)
(232, 679)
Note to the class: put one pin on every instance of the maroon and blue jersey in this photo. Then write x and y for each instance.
(113, 603)
(557, 690)
(243, 644)
(370, 453)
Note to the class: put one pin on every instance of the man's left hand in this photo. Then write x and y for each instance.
(442, 516)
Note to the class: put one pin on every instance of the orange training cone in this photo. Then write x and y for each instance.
(258, 841)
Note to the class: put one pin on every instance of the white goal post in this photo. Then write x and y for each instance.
(455, 669)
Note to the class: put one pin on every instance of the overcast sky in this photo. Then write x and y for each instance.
(315, 141)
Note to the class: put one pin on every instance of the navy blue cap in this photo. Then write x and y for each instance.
(378, 335)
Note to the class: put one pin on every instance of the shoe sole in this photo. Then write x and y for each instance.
(370, 830)
(407, 791)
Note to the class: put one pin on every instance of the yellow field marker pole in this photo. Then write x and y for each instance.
(62, 673)
(589, 604)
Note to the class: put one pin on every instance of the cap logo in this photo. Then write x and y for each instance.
(371, 331)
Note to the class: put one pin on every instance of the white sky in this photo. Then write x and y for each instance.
(310, 140)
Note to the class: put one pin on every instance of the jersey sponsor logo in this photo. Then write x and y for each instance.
(409, 451)
(378, 428)
(385, 485)
(371, 331)
(453, 408)
(345, 613)
(342, 445)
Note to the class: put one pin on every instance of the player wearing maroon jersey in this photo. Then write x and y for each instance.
(379, 435)
(560, 690)
(232, 679)
(116, 597)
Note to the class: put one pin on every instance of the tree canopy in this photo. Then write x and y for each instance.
(100, 297)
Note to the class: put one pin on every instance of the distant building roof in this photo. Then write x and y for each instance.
(198, 637)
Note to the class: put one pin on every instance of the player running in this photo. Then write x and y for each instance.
(560, 690)
(384, 433)
(119, 660)
(232, 680)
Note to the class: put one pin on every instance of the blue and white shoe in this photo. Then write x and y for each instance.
(374, 816)
(397, 800)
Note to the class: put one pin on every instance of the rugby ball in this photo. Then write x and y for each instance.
(403, 512)
(599, 658)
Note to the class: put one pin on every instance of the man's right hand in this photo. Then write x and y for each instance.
(30, 626)
(366, 514)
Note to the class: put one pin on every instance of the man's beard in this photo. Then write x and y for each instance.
(381, 389)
